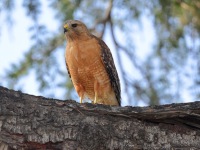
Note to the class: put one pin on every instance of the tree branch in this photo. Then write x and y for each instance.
(35, 122)
(103, 20)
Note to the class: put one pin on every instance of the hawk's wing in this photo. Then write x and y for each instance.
(108, 62)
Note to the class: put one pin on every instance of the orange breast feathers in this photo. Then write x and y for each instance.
(85, 58)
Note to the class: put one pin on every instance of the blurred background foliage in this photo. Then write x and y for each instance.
(170, 66)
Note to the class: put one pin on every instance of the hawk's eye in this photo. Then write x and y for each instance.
(74, 25)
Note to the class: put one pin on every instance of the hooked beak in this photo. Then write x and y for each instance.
(66, 28)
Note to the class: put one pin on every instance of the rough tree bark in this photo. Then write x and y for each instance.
(34, 122)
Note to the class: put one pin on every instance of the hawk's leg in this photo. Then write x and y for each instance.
(81, 99)
(95, 98)
(96, 90)
(80, 90)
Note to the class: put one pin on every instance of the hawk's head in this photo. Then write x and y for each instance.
(75, 29)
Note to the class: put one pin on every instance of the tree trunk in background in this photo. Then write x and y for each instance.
(34, 122)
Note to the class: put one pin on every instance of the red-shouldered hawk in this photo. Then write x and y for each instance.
(90, 65)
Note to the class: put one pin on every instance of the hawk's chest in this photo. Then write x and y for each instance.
(83, 54)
